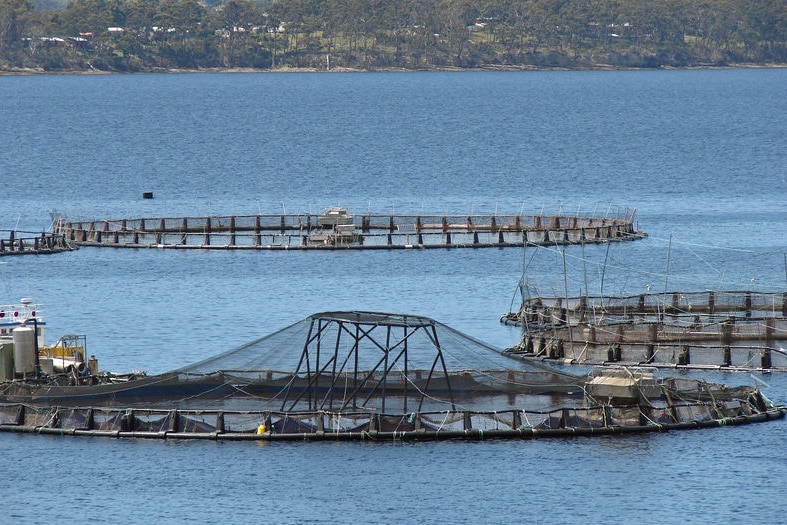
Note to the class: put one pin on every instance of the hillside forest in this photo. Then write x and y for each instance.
(155, 35)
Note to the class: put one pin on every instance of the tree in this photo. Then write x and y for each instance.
(455, 17)
(14, 16)
(235, 20)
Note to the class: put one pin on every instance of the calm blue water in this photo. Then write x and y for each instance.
(699, 154)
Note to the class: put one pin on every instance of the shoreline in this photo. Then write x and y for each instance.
(491, 68)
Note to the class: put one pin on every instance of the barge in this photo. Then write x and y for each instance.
(33, 371)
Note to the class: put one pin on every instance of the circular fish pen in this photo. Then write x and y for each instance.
(374, 376)
(335, 228)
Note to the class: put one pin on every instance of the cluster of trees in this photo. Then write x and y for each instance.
(147, 35)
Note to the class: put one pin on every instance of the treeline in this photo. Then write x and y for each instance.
(149, 35)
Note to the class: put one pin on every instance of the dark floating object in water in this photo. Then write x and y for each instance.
(376, 376)
(147, 195)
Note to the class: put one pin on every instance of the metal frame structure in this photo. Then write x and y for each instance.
(331, 364)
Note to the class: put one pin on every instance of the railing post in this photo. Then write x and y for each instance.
(257, 236)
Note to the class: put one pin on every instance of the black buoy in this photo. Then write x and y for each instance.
(147, 195)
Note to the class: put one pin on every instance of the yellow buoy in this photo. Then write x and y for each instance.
(261, 429)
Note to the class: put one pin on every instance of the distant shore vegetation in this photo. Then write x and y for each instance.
(156, 35)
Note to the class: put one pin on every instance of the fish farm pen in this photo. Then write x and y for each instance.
(361, 426)
(336, 229)
(731, 330)
(13, 242)
(372, 376)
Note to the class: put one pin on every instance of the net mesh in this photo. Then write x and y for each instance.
(366, 359)
(368, 338)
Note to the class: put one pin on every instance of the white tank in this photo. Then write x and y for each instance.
(24, 350)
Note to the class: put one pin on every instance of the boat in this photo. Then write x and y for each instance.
(335, 216)
(23, 324)
(31, 370)
(336, 227)
(15, 315)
